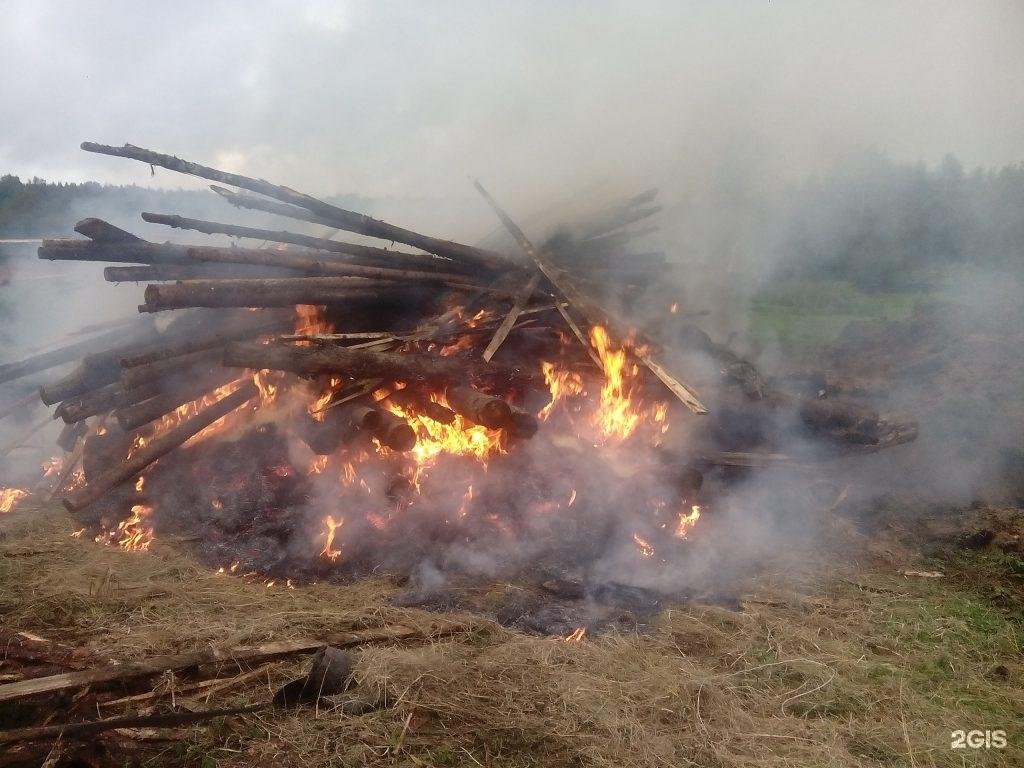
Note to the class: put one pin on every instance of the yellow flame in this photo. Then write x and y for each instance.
(616, 418)
(576, 636)
(9, 497)
(333, 525)
(135, 535)
(458, 438)
(561, 384)
(686, 521)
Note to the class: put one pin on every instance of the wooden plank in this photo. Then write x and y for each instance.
(158, 664)
(513, 314)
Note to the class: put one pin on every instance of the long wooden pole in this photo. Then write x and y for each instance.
(359, 254)
(338, 217)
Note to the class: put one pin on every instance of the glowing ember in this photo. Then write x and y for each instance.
(140, 484)
(674, 308)
(466, 499)
(687, 521)
(577, 635)
(332, 526)
(645, 548)
(9, 497)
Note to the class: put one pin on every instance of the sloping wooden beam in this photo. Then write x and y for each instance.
(591, 311)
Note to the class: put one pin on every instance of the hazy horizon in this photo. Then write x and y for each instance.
(402, 99)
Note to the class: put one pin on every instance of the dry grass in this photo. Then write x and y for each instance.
(862, 667)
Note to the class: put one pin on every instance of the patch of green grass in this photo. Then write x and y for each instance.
(812, 313)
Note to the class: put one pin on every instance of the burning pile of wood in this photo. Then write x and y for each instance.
(383, 341)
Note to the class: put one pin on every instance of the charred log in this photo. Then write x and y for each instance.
(364, 364)
(140, 252)
(314, 263)
(160, 446)
(134, 416)
(102, 231)
(479, 407)
(158, 272)
(285, 292)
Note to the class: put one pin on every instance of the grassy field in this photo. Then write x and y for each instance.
(799, 314)
(822, 666)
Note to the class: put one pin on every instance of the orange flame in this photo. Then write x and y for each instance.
(52, 466)
(617, 418)
(458, 438)
(687, 521)
(9, 497)
(561, 384)
(135, 536)
(576, 636)
(328, 551)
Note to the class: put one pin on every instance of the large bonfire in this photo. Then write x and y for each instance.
(317, 408)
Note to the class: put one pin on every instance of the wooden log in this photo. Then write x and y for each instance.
(68, 437)
(158, 272)
(249, 326)
(104, 450)
(393, 431)
(70, 352)
(134, 416)
(594, 314)
(855, 422)
(479, 407)
(255, 203)
(194, 362)
(158, 447)
(358, 254)
(134, 670)
(313, 262)
(338, 217)
(524, 424)
(363, 364)
(87, 377)
(118, 252)
(76, 409)
(284, 292)
(421, 404)
(102, 231)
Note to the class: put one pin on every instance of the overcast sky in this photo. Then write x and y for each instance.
(407, 98)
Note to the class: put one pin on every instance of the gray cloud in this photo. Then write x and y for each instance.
(538, 97)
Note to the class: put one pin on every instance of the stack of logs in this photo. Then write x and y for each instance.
(237, 309)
